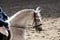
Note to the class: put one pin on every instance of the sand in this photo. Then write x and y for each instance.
(51, 30)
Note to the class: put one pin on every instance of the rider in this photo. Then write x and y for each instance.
(3, 18)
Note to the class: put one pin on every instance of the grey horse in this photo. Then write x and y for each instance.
(22, 20)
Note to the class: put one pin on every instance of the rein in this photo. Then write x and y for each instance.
(19, 27)
(34, 22)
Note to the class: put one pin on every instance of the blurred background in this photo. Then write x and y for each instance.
(50, 8)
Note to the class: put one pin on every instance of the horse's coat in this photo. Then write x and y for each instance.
(22, 18)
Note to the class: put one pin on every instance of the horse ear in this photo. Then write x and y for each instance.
(38, 9)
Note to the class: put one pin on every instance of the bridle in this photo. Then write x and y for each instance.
(35, 21)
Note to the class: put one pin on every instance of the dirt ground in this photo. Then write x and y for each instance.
(51, 30)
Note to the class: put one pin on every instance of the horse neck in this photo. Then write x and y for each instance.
(21, 19)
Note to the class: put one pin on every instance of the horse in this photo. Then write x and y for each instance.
(22, 20)
(4, 34)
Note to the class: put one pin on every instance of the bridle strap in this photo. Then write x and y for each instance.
(35, 21)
